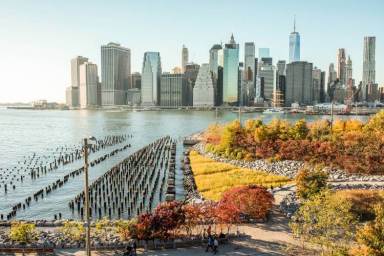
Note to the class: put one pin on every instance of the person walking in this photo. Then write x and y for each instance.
(215, 245)
(210, 243)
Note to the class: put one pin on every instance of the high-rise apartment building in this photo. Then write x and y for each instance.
(150, 79)
(294, 44)
(184, 58)
(230, 72)
(341, 63)
(369, 63)
(172, 90)
(88, 85)
(115, 72)
(299, 84)
(203, 92)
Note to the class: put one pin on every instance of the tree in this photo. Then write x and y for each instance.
(144, 227)
(167, 217)
(103, 227)
(193, 215)
(23, 232)
(300, 130)
(227, 213)
(252, 200)
(325, 220)
(375, 123)
(310, 182)
(371, 236)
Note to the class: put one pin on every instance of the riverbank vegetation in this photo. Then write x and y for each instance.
(351, 145)
(214, 178)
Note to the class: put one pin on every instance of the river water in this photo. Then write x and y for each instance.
(27, 132)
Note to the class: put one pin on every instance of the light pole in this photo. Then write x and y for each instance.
(86, 197)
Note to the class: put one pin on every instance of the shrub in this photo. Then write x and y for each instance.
(310, 182)
(371, 236)
(23, 232)
(325, 220)
(126, 229)
(73, 230)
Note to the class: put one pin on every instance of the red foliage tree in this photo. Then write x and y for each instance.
(145, 226)
(253, 201)
(167, 217)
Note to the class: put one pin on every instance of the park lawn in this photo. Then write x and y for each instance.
(213, 178)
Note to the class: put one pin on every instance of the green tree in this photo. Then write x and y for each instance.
(310, 182)
(325, 220)
(23, 232)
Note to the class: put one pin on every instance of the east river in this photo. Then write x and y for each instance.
(24, 133)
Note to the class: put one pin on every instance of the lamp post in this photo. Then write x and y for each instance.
(86, 196)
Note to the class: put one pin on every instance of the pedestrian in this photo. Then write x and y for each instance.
(215, 245)
(210, 243)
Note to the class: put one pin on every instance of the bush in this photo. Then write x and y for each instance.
(23, 232)
(310, 182)
(371, 236)
(325, 220)
(126, 229)
(73, 230)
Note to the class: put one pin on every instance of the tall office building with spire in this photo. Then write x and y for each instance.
(294, 44)
(231, 72)
(341, 64)
(184, 58)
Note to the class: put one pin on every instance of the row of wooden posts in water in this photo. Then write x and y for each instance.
(45, 191)
(62, 156)
(133, 186)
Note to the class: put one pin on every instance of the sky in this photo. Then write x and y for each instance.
(39, 37)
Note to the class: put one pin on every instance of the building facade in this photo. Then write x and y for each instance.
(203, 92)
(316, 78)
(150, 79)
(191, 71)
(135, 81)
(341, 64)
(299, 84)
(231, 73)
(267, 72)
(75, 69)
(249, 69)
(115, 72)
(172, 90)
(369, 66)
(89, 81)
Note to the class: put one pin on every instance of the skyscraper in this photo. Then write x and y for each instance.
(369, 64)
(294, 44)
(88, 85)
(249, 68)
(184, 58)
(341, 63)
(348, 70)
(316, 78)
(115, 71)
(332, 74)
(299, 87)
(75, 70)
(214, 58)
(172, 90)
(203, 92)
(267, 72)
(135, 80)
(231, 72)
(150, 79)
(191, 71)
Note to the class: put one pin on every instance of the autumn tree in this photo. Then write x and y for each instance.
(167, 217)
(310, 182)
(23, 232)
(253, 201)
(325, 220)
(73, 230)
(126, 229)
(193, 215)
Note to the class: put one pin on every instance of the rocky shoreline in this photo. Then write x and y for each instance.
(190, 188)
(287, 168)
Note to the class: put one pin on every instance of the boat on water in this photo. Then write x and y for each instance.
(274, 111)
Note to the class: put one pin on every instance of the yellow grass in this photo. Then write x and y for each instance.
(213, 178)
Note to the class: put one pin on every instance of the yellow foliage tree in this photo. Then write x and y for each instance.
(23, 232)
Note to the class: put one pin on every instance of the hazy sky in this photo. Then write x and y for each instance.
(39, 37)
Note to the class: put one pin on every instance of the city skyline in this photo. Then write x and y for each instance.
(33, 42)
